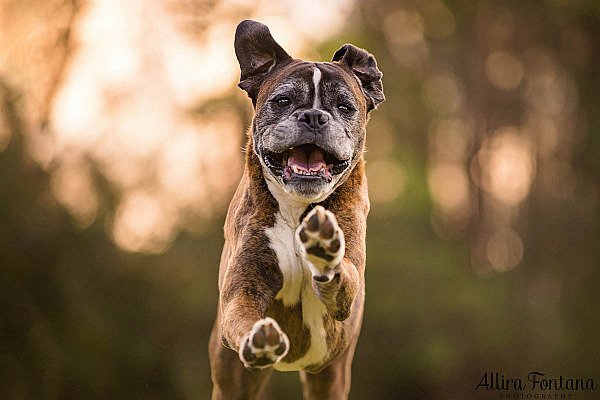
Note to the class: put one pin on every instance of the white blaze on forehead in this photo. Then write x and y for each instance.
(316, 81)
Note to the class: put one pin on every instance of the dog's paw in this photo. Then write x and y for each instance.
(265, 345)
(322, 242)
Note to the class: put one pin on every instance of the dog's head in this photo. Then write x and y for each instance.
(309, 123)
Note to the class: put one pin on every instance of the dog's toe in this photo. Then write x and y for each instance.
(323, 242)
(265, 345)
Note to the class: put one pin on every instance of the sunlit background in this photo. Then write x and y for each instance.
(121, 135)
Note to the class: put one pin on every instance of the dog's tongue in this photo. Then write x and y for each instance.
(316, 161)
(312, 162)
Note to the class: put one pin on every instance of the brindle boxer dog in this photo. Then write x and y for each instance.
(291, 279)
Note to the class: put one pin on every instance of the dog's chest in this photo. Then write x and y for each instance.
(292, 266)
(297, 287)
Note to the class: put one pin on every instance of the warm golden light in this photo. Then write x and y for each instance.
(451, 138)
(72, 185)
(504, 166)
(404, 31)
(128, 104)
(498, 250)
(387, 180)
(404, 27)
(449, 188)
(504, 70)
(184, 58)
(144, 222)
(504, 249)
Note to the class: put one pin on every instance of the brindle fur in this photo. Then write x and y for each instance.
(250, 278)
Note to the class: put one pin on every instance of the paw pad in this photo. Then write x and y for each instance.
(265, 345)
(323, 243)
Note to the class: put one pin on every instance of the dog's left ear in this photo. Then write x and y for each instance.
(258, 53)
(364, 66)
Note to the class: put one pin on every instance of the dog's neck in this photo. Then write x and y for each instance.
(290, 207)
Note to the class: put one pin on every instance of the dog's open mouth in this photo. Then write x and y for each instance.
(307, 161)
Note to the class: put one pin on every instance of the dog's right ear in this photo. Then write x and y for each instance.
(258, 53)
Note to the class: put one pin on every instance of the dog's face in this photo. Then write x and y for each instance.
(309, 123)
(309, 127)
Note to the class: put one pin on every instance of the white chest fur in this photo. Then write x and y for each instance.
(282, 241)
(297, 287)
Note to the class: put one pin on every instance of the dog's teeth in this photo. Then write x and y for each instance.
(295, 169)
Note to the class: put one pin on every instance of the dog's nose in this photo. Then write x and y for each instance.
(315, 119)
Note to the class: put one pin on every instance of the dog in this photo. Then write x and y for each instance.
(291, 278)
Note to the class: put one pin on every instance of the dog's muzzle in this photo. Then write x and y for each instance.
(305, 162)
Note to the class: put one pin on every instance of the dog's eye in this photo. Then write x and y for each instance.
(283, 101)
(343, 108)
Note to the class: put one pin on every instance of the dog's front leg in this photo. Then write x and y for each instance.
(336, 280)
(259, 341)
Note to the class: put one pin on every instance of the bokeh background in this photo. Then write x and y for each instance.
(121, 129)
